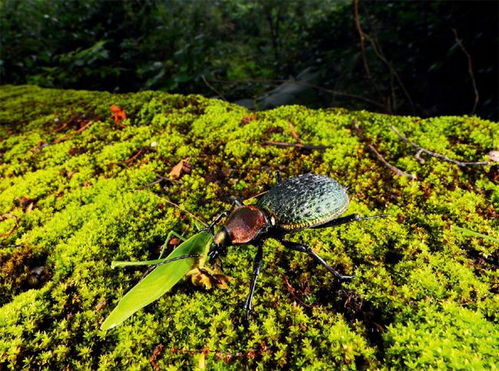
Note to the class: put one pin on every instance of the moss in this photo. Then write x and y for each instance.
(86, 191)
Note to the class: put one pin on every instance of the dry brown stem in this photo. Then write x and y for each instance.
(434, 154)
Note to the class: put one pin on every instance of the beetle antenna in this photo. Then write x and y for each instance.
(186, 211)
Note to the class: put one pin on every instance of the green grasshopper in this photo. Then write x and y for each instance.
(188, 259)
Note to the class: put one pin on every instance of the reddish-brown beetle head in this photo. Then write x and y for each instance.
(242, 226)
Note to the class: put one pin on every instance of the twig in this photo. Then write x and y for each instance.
(80, 130)
(292, 291)
(378, 155)
(212, 88)
(135, 156)
(14, 227)
(434, 154)
(362, 37)
(296, 145)
(158, 180)
(470, 69)
(376, 46)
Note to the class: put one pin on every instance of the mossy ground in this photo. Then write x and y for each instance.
(80, 187)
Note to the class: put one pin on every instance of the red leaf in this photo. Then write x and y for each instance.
(118, 114)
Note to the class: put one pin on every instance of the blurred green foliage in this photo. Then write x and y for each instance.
(424, 294)
(240, 49)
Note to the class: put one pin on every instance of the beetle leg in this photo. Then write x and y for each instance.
(307, 249)
(236, 202)
(349, 219)
(257, 266)
(278, 177)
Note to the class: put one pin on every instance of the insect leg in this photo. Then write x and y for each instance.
(257, 266)
(349, 219)
(168, 237)
(307, 249)
(278, 177)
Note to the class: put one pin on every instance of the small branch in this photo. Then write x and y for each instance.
(296, 145)
(470, 69)
(80, 130)
(362, 37)
(135, 156)
(292, 291)
(212, 88)
(434, 154)
(158, 180)
(378, 155)
(14, 227)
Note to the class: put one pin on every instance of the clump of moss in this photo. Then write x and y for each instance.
(79, 190)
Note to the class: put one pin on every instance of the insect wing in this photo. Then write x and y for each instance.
(160, 280)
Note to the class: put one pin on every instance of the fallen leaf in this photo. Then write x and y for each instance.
(100, 306)
(247, 119)
(494, 155)
(118, 114)
(183, 167)
(293, 132)
(155, 355)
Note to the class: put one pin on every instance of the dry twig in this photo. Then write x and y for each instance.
(212, 88)
(296, 145)
(378, 155)
(470, 69)
(434, 154)
(14, 227)
(376, 46)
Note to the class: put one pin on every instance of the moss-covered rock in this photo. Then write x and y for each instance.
(79, 190)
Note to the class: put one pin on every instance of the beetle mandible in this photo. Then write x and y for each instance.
(305, 201)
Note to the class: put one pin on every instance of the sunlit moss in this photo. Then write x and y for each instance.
(422, 295)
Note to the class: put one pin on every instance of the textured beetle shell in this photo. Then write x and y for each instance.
(305, 201)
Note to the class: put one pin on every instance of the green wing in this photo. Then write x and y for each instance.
(161, 279)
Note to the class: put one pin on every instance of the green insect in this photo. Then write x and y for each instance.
(188, 259)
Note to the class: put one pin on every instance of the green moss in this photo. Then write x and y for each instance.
(423, 292)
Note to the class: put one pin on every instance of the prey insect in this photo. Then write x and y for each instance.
(188, 259)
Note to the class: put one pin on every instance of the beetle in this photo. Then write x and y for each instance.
(306, 201)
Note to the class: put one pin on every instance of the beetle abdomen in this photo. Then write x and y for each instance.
(305, 201)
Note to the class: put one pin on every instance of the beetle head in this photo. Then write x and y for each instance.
(242, 226)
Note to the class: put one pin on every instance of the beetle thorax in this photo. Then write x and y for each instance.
(242, 226)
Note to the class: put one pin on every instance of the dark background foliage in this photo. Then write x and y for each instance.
(404, 57)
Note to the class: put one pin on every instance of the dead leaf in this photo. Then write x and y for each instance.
(494, 155)
(293, 133)
(118, 115)
(183, 167)
(155, 355)
(247, 119)
(100, 306)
